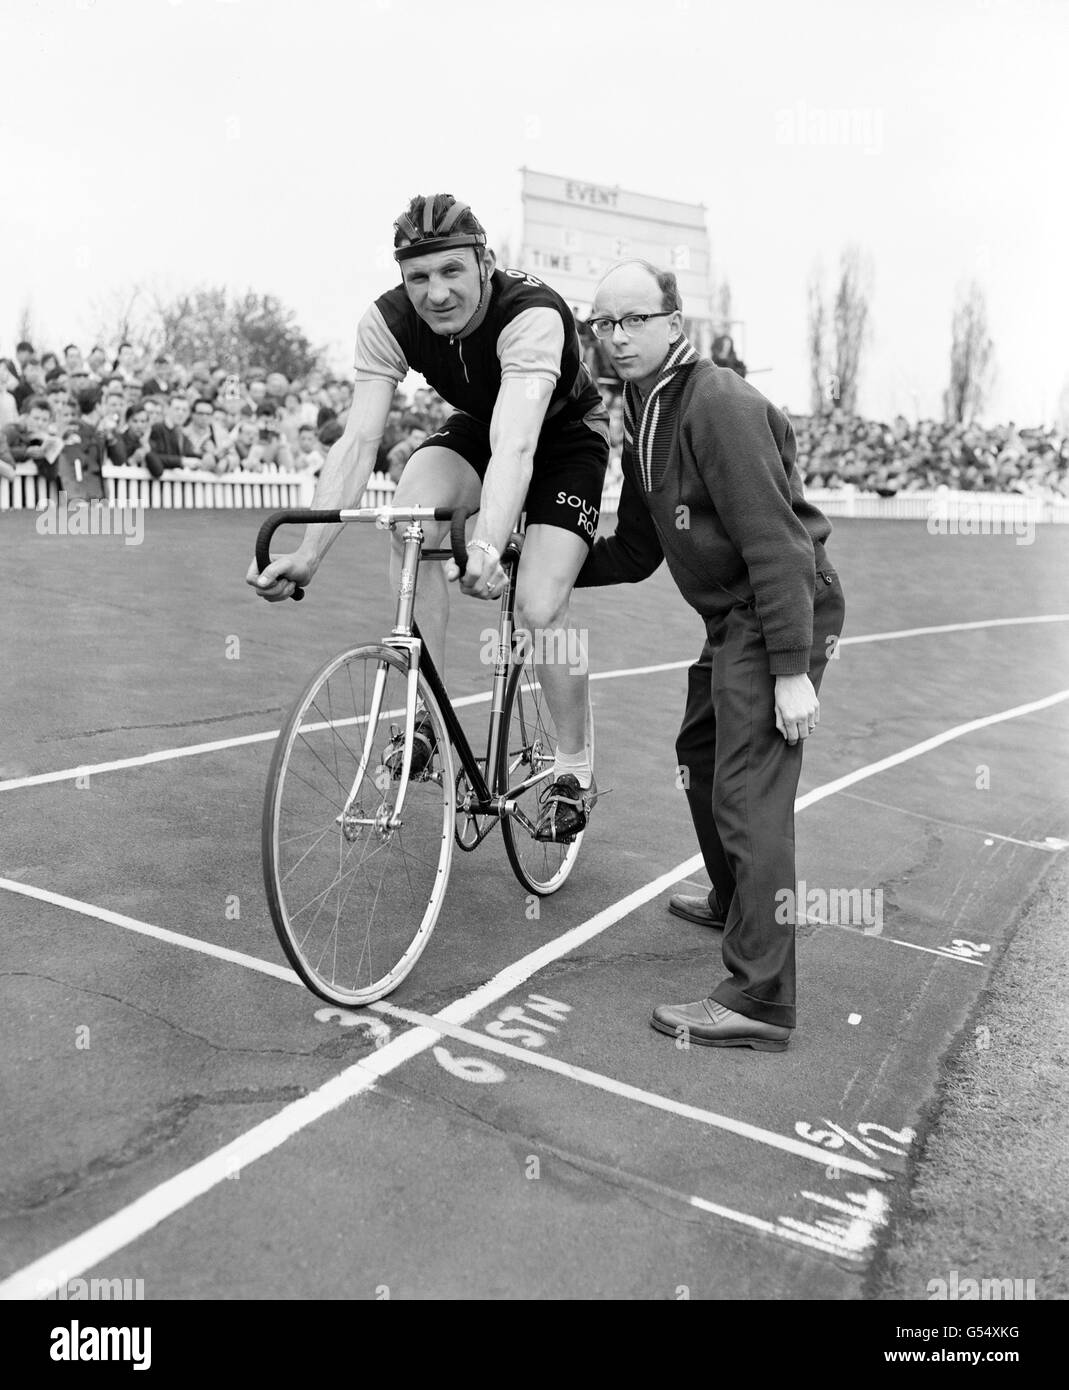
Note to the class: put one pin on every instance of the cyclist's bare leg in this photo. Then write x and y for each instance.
(552, 557)
(433, 477)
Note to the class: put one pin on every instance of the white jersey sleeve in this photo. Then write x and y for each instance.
(532, 344)
(378, 355)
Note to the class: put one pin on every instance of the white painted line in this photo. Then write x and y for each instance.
(915, 751)
(933, 951)
(953, 627)
(217, 745)
(893, 940)
(193, 750)
(92, 1246)
(854, 1018)
(628, 1092)
(119, 919)
(1050, 844)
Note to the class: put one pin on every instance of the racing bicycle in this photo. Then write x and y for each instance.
(373, 782)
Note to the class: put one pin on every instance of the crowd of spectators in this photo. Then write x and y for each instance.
(69, 414)
(838, 451)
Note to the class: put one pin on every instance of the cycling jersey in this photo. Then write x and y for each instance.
(523, 328)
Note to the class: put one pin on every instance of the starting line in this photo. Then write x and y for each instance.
(92, 1246)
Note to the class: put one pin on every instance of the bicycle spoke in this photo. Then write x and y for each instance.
(354, 899)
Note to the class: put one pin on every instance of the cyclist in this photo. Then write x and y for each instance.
(528, 432)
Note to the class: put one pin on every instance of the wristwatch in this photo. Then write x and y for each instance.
(491, 550)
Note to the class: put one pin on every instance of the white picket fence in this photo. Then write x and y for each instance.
(274, 491)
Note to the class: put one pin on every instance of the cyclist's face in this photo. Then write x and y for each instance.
(443, 287)
(633, 290)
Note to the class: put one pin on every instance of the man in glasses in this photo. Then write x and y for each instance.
(528, 433)
(710, 485)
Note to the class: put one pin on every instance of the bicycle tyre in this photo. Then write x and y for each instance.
(528, 742)
(394, 878)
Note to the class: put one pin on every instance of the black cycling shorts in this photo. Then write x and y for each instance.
(568, 476)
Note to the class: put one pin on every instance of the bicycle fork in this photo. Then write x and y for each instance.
(401, 639)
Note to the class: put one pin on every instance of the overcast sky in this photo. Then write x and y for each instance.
(270, 144)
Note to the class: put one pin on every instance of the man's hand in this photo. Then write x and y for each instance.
(484, 577)
(797, 707)
(281, 577)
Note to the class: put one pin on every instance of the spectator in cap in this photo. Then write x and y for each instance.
(159, 383)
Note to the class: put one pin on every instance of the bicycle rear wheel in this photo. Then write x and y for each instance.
(353, 897)
(528, 746)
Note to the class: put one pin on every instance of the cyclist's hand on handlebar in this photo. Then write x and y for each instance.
(280, 578)
(484, 577)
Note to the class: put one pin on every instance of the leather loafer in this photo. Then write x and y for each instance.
(714, 1025)
(695, 910)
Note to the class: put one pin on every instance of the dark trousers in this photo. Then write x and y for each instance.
(742, 777)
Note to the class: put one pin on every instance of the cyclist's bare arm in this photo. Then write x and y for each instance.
(514, 429)
(341, 484)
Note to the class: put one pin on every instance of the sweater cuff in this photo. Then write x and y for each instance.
(794, 661)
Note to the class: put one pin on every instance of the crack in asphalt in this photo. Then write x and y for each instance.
(179, 724)
(166, 1125)
(159, 1018)
(661, 1203)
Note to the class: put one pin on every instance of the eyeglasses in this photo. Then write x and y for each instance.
(204, 414)
(630, 323)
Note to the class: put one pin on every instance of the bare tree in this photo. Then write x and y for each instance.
(971, 355)
(816, 333)
(850, 321)
(127, 315)
(25, 326)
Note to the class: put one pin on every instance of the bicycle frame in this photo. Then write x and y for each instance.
(486, 798)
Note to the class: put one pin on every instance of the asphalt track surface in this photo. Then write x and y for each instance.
(189, 1115)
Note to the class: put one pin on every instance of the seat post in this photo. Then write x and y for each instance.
(406, 593)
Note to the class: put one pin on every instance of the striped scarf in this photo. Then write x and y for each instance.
(654, 433)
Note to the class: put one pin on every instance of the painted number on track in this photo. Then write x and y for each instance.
(970, 950)
(835, 1137)
(513, 1024)
(377, 1031)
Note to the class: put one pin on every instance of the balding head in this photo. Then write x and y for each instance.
(639, 288)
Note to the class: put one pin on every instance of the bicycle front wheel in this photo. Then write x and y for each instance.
(354, 883)
(525, 759)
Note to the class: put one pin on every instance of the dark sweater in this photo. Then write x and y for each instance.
(168, 448)
(729, 516)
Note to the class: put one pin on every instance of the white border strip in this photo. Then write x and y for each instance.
(133, 1221)
(68, 774)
